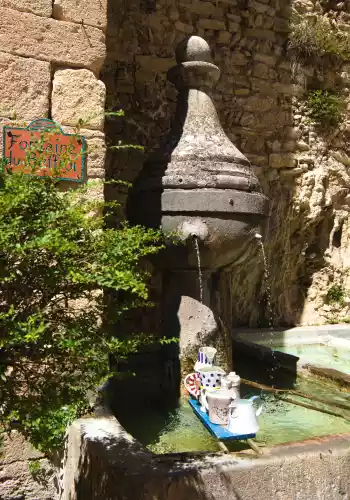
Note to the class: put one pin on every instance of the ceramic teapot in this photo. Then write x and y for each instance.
(242, 418)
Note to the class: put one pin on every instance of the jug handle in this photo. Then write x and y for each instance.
(260, 403)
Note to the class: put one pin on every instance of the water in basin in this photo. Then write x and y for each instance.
(179, 430)
(320, 354)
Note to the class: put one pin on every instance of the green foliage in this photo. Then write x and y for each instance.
(336, 294)
(325, 107)
(34, 467)
(66, 283)
(310, 37)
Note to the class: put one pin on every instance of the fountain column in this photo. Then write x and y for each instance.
(200, 186)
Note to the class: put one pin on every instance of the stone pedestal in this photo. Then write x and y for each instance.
(199, 186)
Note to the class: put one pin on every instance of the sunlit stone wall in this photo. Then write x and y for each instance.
(261, 102)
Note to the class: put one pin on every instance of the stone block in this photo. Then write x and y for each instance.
(282, 160)
(92, 13)
(224, 37)
(45, 39)
(282, 25)
(259, 104)
(242, 92)
(78, 95)
(24, 87)
(184, 28)
(266, 59)
(261, 8)
(96, 148)
(153, 64)
(261, 70)
(239, 59)
(212, 24)
(38, 7)
(202, 8)
(233, 27)
(261, 34)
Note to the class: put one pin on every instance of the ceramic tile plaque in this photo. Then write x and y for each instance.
(43, 149)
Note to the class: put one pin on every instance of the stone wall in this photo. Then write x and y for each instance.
(25, 473)
(260, 99)
(51, 53)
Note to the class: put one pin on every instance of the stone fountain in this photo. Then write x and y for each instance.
(199, 186)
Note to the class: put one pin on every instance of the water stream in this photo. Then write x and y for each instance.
(267, 291)
(200, 277)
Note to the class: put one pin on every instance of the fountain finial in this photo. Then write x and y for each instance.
(193, 48)
(195, 68)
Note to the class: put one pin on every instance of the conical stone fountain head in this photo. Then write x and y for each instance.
(198, 184)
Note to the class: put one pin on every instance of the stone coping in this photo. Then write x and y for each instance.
(106, 462)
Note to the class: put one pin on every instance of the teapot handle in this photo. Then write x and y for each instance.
(259, 402)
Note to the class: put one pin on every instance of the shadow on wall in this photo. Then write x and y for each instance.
(259, 91)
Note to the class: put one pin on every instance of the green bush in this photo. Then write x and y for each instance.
(325, 107)
(336, 294)
(58, 263)
(310, 37)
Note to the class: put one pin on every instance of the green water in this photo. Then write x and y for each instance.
(323, 355)
(179, 430)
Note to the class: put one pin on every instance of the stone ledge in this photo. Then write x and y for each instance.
(61, 42)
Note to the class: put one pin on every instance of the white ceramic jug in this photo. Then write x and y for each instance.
(243, 416)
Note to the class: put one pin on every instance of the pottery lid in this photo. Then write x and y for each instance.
(233, 378)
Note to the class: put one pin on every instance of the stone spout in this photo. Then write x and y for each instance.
(198, 183)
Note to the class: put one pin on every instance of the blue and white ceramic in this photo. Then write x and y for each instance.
(206, 357)
(210, 377)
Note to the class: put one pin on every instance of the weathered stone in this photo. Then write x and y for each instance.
(234, 17)
(38, 7)
(261, 70)
(302, 146)
(184, 28)
(270, 60)
(261, 34)
(282, 25)
(153, 64)
(239, 59)
(261, 8)
(96, 157)
(233, 27)
(259, 104)
(202, 8)
(24, 87)
(224, 37)
(173, 13)
(15, 478)
(93, 13)
(51, 40)
(242, 92)
(212, 24)
(78, 95)
(281, 160)
(259, 160)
